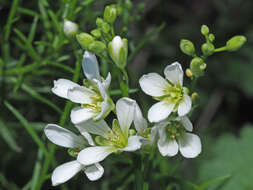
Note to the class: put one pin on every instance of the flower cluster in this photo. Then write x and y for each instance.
(169, 126)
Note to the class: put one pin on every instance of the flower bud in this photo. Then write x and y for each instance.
(204, 30)
(99, 22)
(194, 96)
(118, 49)
(235, 43)
(187, 47)
(195, 66)
(97, 47)
(84, 39)
(188, 73)
(207, 49)
(110, 14)
(96, 33)
(105, 27)
(202, 66)
(70, 28)
(132, 132)
(211, 37)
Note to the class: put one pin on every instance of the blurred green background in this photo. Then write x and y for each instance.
(34, 52)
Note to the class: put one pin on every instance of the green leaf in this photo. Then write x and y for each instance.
(229, 155)
(8, 137)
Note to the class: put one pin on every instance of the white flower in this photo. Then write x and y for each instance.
(170, 92)
(173, 136)
(118, 50)
(94, 99)
(67, 139)
(110, 140)
(70, 28)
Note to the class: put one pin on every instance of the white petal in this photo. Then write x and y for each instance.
(97, 128)
(90, 66)
(88, 137)
(140, 122)
(134, 144)
(185, 106)
(80, 95)
(160, 111)
(61, 87)
(174, 73)
(117, 43)
(106, 83)
(63, 137)
(153, 84)
(65, 172)
(154, 134)
(80, 114)
(165, 146)
(125, 112)
(105, 110)
(186, 123)
(94, 172)
(94, 154)
(190, 145)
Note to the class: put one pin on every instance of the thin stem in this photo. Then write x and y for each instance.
(224, 48)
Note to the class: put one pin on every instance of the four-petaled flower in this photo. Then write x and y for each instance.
(67, 139)
(171, 93)
(93, 96)
(110, 140)
(173, 136)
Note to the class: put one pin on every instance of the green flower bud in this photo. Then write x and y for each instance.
(207, 49)
(118, 49)
(187, 47)
(204, 30)
(96, 33)
(194, 96)
(105, 27)
(235, 43)
(211, 37)
(99, 22)
(110, 14)
(84, 39)
(195, 66)
(202, 67)
(97, 47)
(188, 73)
(132, 132)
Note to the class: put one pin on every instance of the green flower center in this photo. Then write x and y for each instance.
(175, 130)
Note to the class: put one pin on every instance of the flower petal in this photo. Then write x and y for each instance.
(140, 122)
(80, 114)
(92, 155)
(65, 172)
(105, 110)
(125, 112)
(153, 84)
(90, 66)
(61, 87)
(190, 145)
(80, 95)
(160, 111)
(63, 137)
(94, 172)
(168, 148)
(185, 106)
(97, 128)
(186, 123)
(106, 83)
(134, 144)
(174, 73)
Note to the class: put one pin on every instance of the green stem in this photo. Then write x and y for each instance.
(224, 48)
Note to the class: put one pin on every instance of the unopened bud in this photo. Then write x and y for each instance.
(194, 96)
(118, 49)
(99, 22)
(105, 27)
(110, 14)
(195, 66)
(97, 47)
(207, 49)
(96, 33)
(70, 28)
(187, 47)
(235, 43)
(211, 37)
(188, 73)
(204, 30)
(132, 132)
(202, 66)
(84, 39)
